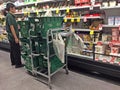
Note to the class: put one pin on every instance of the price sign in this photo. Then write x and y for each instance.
(28, 13)
(25, 13)
(91, 32)
(72, 20)
(73, 30)
(57, 10)
(37, 12)
(78, 19)
(67, 10)
(65, 19)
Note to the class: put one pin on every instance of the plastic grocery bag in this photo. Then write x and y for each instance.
(59, 47)
(75, 44)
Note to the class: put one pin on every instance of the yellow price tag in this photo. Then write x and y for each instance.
(78, 19)
(57, 10)
(65, 19)
(25, 13)
(91, 32)
(68, 10)
(73, 30)
(28, 13)
(37, 12)
(72, 20)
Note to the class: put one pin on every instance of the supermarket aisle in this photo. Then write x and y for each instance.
(18, 79)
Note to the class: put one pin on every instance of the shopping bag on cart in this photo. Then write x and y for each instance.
(75, 44)
(59, 47)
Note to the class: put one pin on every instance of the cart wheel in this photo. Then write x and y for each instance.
(67, 72)
(50, 87)
(30, 73)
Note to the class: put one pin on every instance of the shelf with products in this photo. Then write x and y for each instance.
(35, 2)
(59, 9)
(110, 25)
(108, 49)
(110, 7)
(83, 17)
(80, 56)
(110, 4)
(85, 30)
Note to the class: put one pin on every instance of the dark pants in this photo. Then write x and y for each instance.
(15, 54)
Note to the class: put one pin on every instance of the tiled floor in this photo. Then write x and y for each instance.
(18, 79)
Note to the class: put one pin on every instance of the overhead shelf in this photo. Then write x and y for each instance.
(115, 7)
(32, 3)
(54, 9)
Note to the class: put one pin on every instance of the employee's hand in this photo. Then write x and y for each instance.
(17, 40)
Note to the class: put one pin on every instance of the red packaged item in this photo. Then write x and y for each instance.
(84, 1)
(114, 50)
(114, 38)
(113, 59)
(77, 2)
(115, 32)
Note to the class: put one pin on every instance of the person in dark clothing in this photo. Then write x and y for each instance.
(13, 36)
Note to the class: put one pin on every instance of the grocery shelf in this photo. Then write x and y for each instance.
(80, 56)
(116, 55)
(85, 30)
(83, 17)
(115, 7)
(101, 61)
(88, 51)
(110, 25)
(111, 54)
(32, 3)
(87, 42)
(107, 43)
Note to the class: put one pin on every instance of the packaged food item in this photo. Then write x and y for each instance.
(105, 4)
(114, 38)
(99, 49)
(115, 32)
(114, 50)
(117, 20)
(111, 20)
(112, 3)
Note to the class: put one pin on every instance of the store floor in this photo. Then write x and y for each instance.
(18, 79)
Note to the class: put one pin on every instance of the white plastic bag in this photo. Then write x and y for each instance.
(75, 44)
(59, 47)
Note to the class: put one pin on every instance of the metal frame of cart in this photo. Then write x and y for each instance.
(49, 75)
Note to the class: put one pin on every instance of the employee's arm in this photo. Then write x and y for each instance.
(14, 33)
